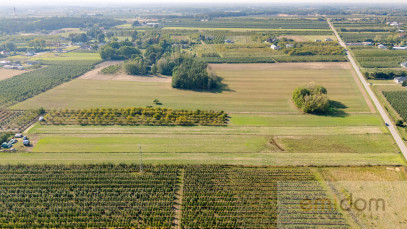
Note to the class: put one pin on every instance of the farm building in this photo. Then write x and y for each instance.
(380, 46)
(328, 39)
(404, 64)
(399, 48)
(275, 47)
(8, 66)
(289, 45)
(400, 80)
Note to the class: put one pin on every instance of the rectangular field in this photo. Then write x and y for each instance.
(250, 88)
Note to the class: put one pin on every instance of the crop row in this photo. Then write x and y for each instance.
(121, 196)
(224, 197)
(398, 100)
(135, 116)
(107, 196)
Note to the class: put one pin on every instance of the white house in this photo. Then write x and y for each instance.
(4, 62)
(289, 45)
(275, 47)
(400, 80)
(404, 64)
(394, 23)
(381, 46)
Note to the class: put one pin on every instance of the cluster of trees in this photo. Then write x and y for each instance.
(136, 116)
(193, 73)
(385, 74)
(4, 136)
(187, 72)
(37, 44)
(119, 51)
(8, 46)
(136, 66)
(78, 37)
(311, 98)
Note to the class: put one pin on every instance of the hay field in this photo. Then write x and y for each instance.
(250, 88)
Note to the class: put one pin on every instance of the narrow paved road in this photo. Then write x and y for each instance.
(379, 107)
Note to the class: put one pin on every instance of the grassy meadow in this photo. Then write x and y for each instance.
(250, 88)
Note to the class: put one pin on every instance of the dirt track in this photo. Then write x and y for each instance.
(96, 75)
(8, 73)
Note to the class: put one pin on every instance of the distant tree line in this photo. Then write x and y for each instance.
(119, 51)
(188, 72)
(14, 25)
(385, 74)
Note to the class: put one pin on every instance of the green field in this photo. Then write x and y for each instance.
(265, 128)
(251, 88)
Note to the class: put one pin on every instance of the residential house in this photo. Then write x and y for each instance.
(381, 46)
(275, 47)
(400, 80)
(394, 23)
(5, 62)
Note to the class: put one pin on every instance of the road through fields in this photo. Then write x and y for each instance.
(379, 107)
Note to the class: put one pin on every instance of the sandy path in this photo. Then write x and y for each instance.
(96, 75)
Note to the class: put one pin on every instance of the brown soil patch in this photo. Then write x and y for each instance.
(96, 75)
(8, 73)
(284, 66)
(295, 38)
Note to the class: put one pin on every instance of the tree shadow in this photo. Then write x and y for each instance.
(221, 87)
(335, 110)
